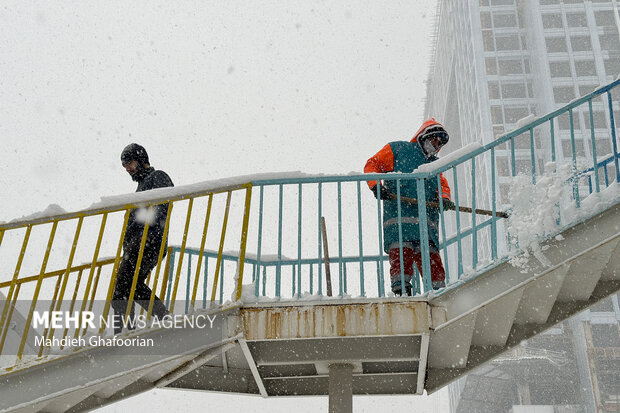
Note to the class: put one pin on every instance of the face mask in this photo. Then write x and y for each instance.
(428, 149)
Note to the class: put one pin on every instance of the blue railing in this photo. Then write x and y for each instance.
(288, 259)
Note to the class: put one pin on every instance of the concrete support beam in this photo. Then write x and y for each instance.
(340, 388)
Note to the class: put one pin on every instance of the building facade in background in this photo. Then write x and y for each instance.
(496, 62)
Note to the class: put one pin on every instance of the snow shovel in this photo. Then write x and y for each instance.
(461, 208)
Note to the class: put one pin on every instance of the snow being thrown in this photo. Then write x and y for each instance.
(541, 210)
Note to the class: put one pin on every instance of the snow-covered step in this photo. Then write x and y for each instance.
(539, 297)
(612, 269)
(584, 273)
(449, 344)
(494, 321)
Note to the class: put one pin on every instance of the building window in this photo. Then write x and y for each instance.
(513, 91)
(491, 66)
(567, 150)
(556, 44)
(485, 20)
(603, 147)
(559, 69)
(510, 67)
(502, 2)
(496, 115)
(503, 166)
(507, 42)
(523, 166)
(612, 66)
(493, 90)
(504, 190)
(598, 117)
(576, 20)
(604, 18)
(504, 20)
(585, 68)
(585, 89)
(605, 335)
(609, 41)
(552, 21)
(581, 43)
(563, 94)
(522, 141)
(564, 121)
(487, 40)
(512, 115)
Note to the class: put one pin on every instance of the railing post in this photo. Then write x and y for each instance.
(201, 251)
(259, 242)
(59, 290)
(458, 224)
(278, 266)
(474, 231)
(37, 290)
(91, 273)
(614, 142)
(341, 276)
(219, 262)
(424, 239)
(5, 319)
(244, 240)
(400, 240)
(574, 155)
(597, 186)
(359, 236)
(136, 272)
(160, 257)
(299, 226)
(182, 251)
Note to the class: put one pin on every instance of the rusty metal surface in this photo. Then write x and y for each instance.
(336, 320)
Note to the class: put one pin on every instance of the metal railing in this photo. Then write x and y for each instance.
(289, 260)
(88, 236)
(280, 220)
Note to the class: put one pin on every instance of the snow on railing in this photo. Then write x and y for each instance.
(307, 234)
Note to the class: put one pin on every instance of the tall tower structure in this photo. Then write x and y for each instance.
(498, 61)
(494, 63)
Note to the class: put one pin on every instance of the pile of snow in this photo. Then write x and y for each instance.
(452, 156)
(51, 210)
(535, 211)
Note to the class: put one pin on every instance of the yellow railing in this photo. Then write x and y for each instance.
(33, 245)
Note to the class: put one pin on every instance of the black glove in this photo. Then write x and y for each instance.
(447, 204)
(384, 192)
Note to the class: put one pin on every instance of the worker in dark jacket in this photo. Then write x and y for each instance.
(135, 160)
(407, 156)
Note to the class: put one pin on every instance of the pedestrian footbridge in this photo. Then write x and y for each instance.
(277, 284)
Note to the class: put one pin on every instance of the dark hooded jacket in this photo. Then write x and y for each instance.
(149, 179)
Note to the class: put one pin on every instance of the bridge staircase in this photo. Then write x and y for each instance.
(314, 315)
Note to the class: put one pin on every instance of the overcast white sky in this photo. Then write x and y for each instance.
(212, 89)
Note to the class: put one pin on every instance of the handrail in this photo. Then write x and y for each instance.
(280, 233)
(88, 287)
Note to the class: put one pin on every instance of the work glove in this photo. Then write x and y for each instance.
(384, 192)
(447, 204)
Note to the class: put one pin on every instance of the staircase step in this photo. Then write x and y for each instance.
(494, 321)
(444, 353)
(585, 272)
(539, 296)
(612, 269)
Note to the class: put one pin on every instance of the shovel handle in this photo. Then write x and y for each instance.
(432, 204)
